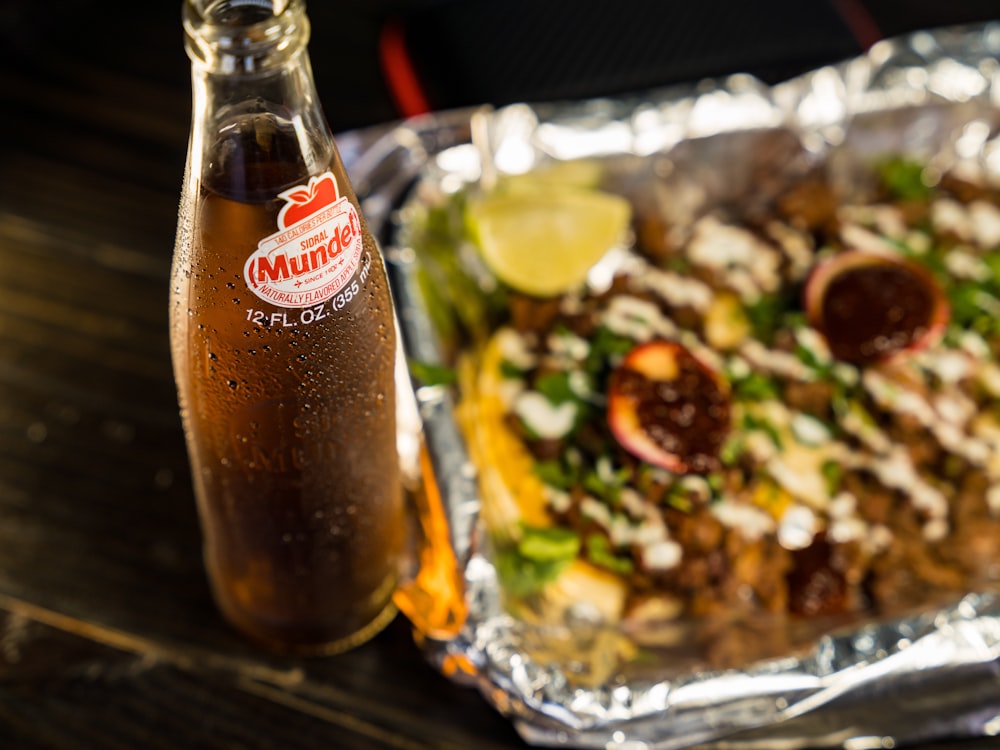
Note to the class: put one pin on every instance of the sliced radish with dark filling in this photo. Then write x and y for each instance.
(668, 408)
(870, 306)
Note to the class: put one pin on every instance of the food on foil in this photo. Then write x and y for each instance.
(791, 410)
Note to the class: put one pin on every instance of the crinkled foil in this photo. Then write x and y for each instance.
(917, 677)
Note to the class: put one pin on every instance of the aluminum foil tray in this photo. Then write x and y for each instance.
(917, 677)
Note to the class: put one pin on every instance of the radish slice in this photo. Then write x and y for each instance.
(871, 307)
(668, 408)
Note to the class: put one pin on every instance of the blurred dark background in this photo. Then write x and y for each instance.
(371, 55)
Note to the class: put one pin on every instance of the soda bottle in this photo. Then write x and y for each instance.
(283, 343)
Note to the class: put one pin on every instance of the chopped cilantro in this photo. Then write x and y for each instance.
(677, 263)
(539, 557)
(992, 261)
(600, 553)
(510, 371)
(756, 386)
(794, 319)
(607, 488)
(768, 315)
(716, 483)
(752, 422)
(555, 474)
(550, 543)
(811, 360)
(522, 576)
(555, 387)
(607, 346)
(973, 308)
(677, 498)
(833, 473)
(430, 373)
(904, 179)
(731, 450)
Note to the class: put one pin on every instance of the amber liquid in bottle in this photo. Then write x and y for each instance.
(289, 410)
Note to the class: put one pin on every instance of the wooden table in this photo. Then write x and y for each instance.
(108, 635)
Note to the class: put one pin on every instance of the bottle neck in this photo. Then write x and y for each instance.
(252, 83)
(244, 38)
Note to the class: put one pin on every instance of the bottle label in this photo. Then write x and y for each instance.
(315, 252)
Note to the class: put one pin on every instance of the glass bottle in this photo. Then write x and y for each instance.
(283, 342)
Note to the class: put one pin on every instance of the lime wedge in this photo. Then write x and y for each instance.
(544, 243)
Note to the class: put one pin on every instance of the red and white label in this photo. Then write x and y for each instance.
(315, 252)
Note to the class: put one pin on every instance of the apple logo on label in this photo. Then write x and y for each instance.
(305, 200)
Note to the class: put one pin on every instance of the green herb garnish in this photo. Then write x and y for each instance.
(539, 557)
(755, 387)
(555, 474)
(904, 180)
(555, 387)
(600, 553)
(431, 373)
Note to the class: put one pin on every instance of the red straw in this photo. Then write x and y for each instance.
(404, 85)
(859, 21)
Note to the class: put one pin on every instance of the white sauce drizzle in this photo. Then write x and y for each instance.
(751, 520)
(515, 349)
(676, 290)
(637, 319)
(798, 527)
(985, 219)
(743, 261)
(543, 417)
(566, 345)
(777, 362)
